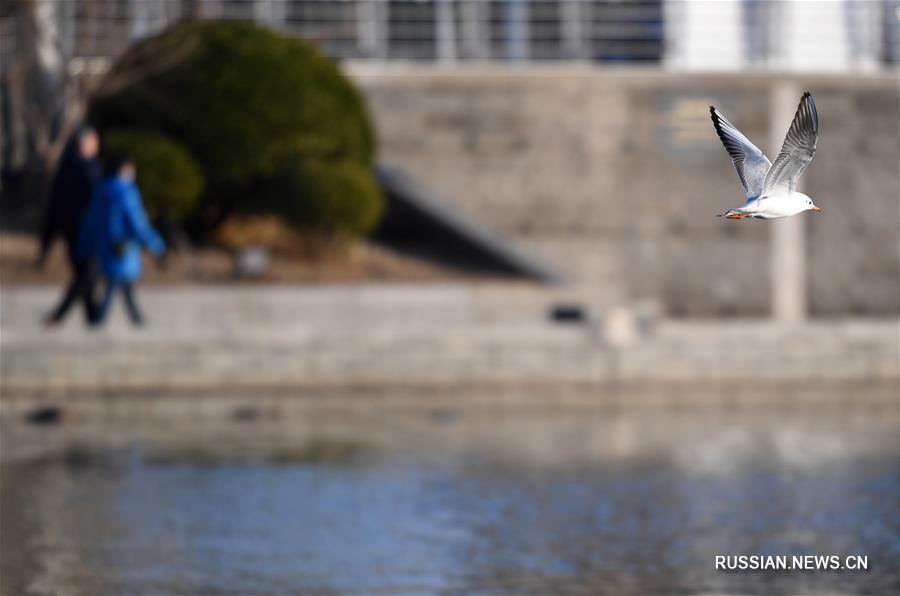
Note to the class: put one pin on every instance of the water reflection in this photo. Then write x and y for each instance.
(496, 501)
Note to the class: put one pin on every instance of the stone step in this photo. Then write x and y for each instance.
(236, 311)
(274, 337)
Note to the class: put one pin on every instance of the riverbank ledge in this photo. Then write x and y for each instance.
(436, 337)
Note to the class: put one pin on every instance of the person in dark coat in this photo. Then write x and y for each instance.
(114, 231)
(73, 185)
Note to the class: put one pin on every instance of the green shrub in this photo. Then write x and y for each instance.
(339, 197)
(169, 179)
(240, 98)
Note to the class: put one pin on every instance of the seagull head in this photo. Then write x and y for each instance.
(810, 206)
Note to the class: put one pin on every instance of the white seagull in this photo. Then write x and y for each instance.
(770, 187)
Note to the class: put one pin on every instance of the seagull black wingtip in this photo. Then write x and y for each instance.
(716, 119)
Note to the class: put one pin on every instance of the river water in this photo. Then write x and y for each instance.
(356, 500)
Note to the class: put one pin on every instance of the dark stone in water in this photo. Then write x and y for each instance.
(44, 416)
(568, 314)
(444, 415)
(245, 414)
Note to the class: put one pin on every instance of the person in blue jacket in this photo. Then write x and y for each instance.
(114, 231)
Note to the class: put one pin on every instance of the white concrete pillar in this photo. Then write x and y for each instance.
(371, 28)
(474, 20)
(704, 35)
(788, 235)
(446, 32)
(575, 26)
(271, 13)
(515, 18)
(262, 11)
(864, 32)
(814, 36)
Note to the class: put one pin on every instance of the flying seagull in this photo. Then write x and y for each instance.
(770, 187)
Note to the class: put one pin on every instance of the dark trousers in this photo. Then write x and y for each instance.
(127, 289)
(81, 287)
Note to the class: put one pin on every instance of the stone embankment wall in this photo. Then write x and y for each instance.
(452, 338)
(615, 176)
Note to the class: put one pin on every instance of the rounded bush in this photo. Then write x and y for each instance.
(169, 180)
(240, 98)
(340, 197)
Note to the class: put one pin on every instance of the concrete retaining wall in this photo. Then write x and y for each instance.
(442, 337)
(615, 176)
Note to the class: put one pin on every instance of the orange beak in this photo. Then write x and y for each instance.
(816, 208)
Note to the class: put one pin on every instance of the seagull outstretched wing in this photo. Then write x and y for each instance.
(798, 148)
(748, 160)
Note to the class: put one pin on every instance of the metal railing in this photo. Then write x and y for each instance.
(446, 31)
(461, 30)
(415, 30)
